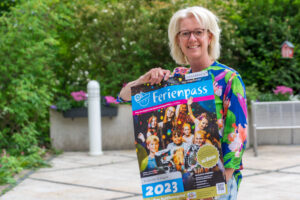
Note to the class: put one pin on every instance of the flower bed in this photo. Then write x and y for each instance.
(77, 106)
(106, 111)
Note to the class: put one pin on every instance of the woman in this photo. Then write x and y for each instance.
(194, 41)
(181, 116)
(152, 129)
(201, 122)
(167, 126)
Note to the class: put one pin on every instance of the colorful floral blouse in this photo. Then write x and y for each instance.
(231, 108)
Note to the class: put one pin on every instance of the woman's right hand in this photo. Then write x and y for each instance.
(154, 76)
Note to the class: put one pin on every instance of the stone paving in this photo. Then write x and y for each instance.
(273, 175)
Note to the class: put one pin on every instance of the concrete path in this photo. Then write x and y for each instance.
(273, 175)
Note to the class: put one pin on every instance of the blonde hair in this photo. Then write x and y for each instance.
(201, 133)
(186, 124)
(152, 138)
(204, 17)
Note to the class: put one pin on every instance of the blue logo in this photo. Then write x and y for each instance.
(142, 99)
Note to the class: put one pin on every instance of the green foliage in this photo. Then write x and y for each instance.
(117, 41)
(262, 28)
(11, 165)
(6, 5)
(273, 97)
(252, 93)
(63, 104)
(28, 54)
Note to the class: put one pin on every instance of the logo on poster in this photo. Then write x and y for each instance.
(142, 99)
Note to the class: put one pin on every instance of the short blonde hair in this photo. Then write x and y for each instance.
(203, 16)
(201, 132)
(152, 138)
(186, 124)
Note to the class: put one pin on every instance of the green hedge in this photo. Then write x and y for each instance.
(117, 41)
(29, 44)
(262, 28)
(6, 5)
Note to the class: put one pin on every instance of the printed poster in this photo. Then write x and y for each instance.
(177, 140)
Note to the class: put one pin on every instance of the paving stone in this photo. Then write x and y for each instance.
(116, 176)
(273, 175)
(295, 170)
(272, 186)
(70, 160)
(39, 190)
(272, 157)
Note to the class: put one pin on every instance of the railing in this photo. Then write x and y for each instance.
(274, 115)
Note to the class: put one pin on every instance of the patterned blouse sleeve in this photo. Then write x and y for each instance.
(120, 100)
(235, 122)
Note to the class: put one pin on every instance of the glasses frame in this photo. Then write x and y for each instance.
(192, 32)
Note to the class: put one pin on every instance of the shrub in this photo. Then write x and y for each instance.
(28, 53)
(5, 5)
(117, 41)
(262, 28)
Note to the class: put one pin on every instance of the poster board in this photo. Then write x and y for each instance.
(177, 139)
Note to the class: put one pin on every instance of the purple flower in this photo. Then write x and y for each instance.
(111, 100)
(283, 90)
(53, 107)
(79, 96)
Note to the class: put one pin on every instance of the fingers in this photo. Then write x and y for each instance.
(167, 74)
(154, 76)
(157, 75)
(190, 101)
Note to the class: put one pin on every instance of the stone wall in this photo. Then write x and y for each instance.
(117, 132)
(73, 135)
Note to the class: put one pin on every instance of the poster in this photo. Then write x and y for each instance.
(177, 140)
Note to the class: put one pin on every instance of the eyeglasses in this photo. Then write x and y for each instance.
(187, 34)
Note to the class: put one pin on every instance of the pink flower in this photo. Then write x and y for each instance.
(111, 100)
(79, 96)
(283, 90)
(237, 139)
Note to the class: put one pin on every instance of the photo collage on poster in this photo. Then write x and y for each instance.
(177, 138)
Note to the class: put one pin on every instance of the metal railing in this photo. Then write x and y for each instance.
(274, 115)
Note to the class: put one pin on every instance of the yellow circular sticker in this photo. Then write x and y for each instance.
(208, 156)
